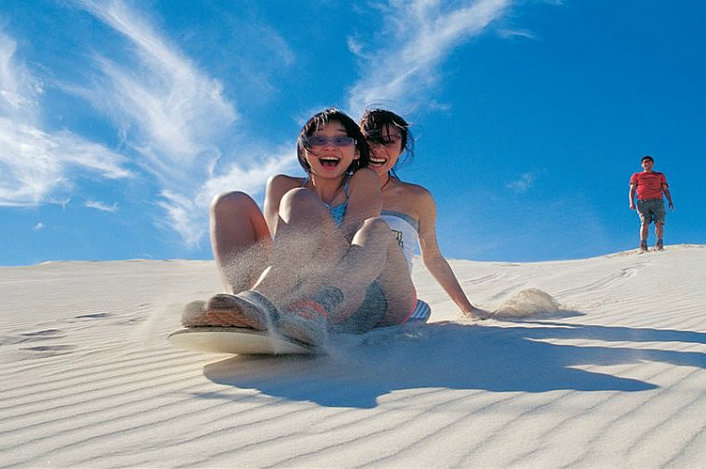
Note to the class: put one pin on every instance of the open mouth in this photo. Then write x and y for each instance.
(377, 161)
(329, 162)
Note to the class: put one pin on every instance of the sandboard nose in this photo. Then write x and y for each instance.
(235, 340)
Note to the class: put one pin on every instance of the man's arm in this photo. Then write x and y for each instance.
(633, 188)
(665, 189)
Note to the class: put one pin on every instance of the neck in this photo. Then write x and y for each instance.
(385, 180)
(326, 189)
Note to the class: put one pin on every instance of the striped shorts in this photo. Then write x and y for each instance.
(420, 313)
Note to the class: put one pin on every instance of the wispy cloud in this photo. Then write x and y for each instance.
(38, 227)
(401, 68)
(175, 116)
(525, 182)
(36, 164)
(101, 206)
(512, 33)
(168, 109)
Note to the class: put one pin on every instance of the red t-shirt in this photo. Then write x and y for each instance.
(649, 185)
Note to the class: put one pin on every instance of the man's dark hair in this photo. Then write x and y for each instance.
(647, 157)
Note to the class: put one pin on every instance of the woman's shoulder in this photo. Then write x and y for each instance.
(410, 189)
(408, 198)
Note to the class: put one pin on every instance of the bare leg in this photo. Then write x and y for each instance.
(240, 240)
(310, 253)
(306, 248)
(374, 255)
(659, 230)
(644, 231)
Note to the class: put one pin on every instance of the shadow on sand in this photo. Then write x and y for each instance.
(517, 357)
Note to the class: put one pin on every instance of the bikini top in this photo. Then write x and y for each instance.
(406, 231)
(338, 211)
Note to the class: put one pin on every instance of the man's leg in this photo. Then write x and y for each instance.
(644, 232)
(645, 218)
(659, 218)
(659, 232)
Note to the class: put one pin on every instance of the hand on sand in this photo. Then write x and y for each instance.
(477, 313)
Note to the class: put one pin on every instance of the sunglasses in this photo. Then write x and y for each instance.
(316, 141)
(377, 139)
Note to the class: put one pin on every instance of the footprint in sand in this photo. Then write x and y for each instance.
(36, 336)
(43, 334)
(92, 316)
(44, 351)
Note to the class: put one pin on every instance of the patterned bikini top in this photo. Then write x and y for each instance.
(337, 211)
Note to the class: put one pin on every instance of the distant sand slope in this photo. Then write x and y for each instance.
(590, 363)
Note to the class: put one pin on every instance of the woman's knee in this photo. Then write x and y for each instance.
(230, 202)
(299, 196)
(376, 227)
(300, 203)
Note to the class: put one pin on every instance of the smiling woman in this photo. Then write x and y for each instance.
(319, 259)
(409, 209)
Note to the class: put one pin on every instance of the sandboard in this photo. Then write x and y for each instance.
(236, 340)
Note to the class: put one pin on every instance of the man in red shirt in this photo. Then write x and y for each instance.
(650, 185)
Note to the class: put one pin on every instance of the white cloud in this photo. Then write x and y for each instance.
(188, 215)
(176, 118)
(17, 86)
(510, 33)
(251, 180)
(415, 38)
(170, 110)
(36, 164)
(39, 226)
(101, 206)
(525, 182)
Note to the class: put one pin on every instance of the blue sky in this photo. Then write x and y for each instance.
(120, 120)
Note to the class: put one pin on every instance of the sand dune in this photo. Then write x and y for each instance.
(588, 363)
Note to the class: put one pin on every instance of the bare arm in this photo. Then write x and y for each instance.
(665, 189)
(435, 261)
(633, 188)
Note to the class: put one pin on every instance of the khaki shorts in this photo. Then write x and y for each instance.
(651, 210)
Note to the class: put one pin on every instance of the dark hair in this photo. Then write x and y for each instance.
(374, 121)
(321, 119)
(647, 157)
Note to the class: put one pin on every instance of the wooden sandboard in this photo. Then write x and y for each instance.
(236, 340)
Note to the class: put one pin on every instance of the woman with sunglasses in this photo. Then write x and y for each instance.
(319, 258)
(408, 209)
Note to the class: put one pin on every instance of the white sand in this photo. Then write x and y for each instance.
(598, 363)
